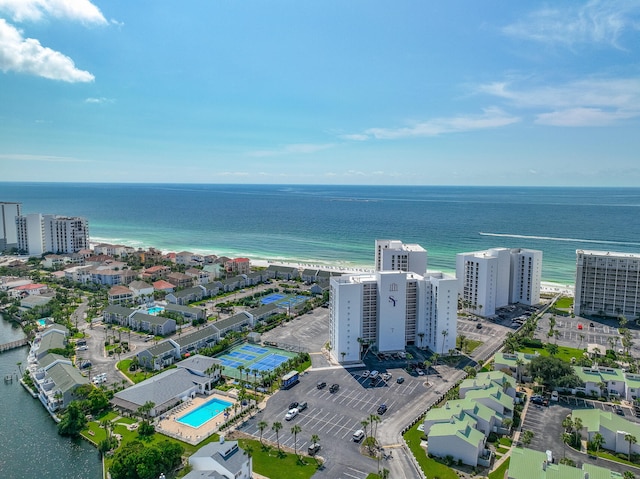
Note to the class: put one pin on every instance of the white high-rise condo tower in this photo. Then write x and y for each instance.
(8, 234)
(607, 283)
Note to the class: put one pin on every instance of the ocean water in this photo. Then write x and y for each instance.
(339, 224)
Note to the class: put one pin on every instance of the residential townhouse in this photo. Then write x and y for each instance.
(221, 460)
(57, 261)
(234, 323)
(157, 325)
(459, 439)
(116, 314)
(488, 379)
(120, 295)
(154, 273)
(113, 250)
(238, 266)
(601, 380)
(612, 427)
(171, 350)
(494, 398)
(180, 280)
(164, 286)
(199, 276)
(189, 313)
(186, 296)
(282, 272)
(529, 464)
(487, 420)
(142, 291)
(56, 381)
(234, 283)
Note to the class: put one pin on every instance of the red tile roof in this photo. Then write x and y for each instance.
(160, 285)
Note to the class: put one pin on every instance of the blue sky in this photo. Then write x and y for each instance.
(324, 92)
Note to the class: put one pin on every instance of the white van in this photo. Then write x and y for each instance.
(358, 435)
(549, 457)
(554, 396)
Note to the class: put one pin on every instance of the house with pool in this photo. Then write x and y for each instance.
(192, 376)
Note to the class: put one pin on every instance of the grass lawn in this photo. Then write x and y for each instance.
(499, 473)
(137, 377)
(505, 441)
(430, 467)
(472, 344)
(564, 352)
(564, 303)
(268, 462)
(613, 457)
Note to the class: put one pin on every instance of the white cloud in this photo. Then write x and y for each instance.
(582, 117)
(597, 21)
(29, 56)
(47, 158)
(587, 102)
(34, 10)
(98, 101)
(491, 118)
(292, 149)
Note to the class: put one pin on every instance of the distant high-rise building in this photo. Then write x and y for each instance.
(8, 234)
(38, 234)
(607, 283)
(394, 255)
(496, 277)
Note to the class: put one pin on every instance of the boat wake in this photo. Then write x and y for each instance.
(552, 238)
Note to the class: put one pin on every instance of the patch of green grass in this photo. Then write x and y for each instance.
(472, 344)
(136, 377)
(268, 461)
(502, 449)
(500, 472)
(564, 352)
(613, 457)
(564, 303)
(430, 467)
(505, 441)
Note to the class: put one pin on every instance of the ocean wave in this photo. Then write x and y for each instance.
(552, 238)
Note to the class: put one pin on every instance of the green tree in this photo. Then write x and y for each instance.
(631, 439)
(262, 425)
(527, 436)
(553, 372)
(597, 441)
(444, 333)
(295, 429)
(628, 475)
(276, 426)
(73, 420)
(552, 348)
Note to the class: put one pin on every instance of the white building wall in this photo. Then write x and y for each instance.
(8, 231)
(526, 276)
(443, 446)
(444, 311)
(345, 318)
(392, 310)
(30, 234)
(64, 234)
(394, 255)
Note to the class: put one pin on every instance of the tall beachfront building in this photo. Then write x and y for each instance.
(392, 308)
(38, 234)
(496, 277)
(8, 234)
(607, 283)
(394, 255)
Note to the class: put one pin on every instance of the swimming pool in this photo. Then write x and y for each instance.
(42, 322)
(155, 310)
(204, 413)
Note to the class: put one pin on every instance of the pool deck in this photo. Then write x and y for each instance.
(192, 435)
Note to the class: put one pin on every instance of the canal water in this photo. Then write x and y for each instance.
(30, 446)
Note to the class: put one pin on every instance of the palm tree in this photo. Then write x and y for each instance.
(426, 365)
(364, 423)
(581, 337)
(598, 440)
(262, 425)
(577, 425)
(276, 426)
(527, 436)
(628, 475)
(444, 333)
(248, 451)
(552, 348)
(315, 439)
(421, 336)
(19, 364)
(566, 439)
(631, 439)
(295, 429)
(374, 419)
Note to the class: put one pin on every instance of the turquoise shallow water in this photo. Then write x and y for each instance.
(339, 224)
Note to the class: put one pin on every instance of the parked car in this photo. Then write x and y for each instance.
(334, 388)
(537, 399)
(82, 348)
(420, 372)
(365, 374)
(374, 374)
(619, 411)
(386, 376)
(302, 406)
(321, 385)
(358, 435)
(479, 326)
(313, 448)
(400, 380)
(382, 409)
(291, 414)
(293, 405)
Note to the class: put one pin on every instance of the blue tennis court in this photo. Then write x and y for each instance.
(254, 349)
(292, 301)
(270, 362)
(244, 357)
(230, 363)
(252, 362)
(272, 298)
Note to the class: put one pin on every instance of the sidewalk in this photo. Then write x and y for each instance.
(516, 435)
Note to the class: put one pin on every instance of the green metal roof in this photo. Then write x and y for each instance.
(530, 464)
(463, 429)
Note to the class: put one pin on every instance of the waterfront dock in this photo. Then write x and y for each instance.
(13, 345)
